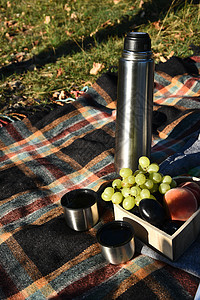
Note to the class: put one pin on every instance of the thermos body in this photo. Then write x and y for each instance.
(133, 133)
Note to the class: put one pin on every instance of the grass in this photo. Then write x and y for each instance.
(48, 46)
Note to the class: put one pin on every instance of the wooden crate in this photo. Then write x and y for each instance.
(172, 246)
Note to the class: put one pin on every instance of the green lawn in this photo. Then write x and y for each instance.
(49, 46)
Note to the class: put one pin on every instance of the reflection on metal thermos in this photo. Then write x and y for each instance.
(134, 101)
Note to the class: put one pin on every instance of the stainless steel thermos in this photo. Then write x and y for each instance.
(134, 101)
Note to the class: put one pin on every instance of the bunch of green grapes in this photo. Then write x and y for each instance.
(133, 187)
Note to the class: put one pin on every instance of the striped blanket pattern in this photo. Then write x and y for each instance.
(70, 147)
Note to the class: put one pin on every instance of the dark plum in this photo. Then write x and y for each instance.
(152, 211)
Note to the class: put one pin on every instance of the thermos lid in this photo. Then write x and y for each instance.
(137, 42)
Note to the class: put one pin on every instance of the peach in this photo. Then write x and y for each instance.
(193, 187)
(180, 203)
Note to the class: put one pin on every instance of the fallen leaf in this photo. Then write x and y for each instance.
(56, 95)
(20, 56)
(35, 43)
(62, 95)
(47, 20)
(67, 7)
(141, 4)
(178, 36)
(59, 72)
(73, 16)
(68, 33)
(9, 23)
(97, 67)
(170, 55)
(9, 37)
(162, 59)
(116, 1)
(157, 25)
(8, 4)
(105, 24)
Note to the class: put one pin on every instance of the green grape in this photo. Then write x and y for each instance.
(125, 172)
(142, 186)
(164, 187)
(153, 168)
(148, 184)
(152, 197)
(141, 169)
(125, 182)
(144, 162)
(131, 179)
(139, 172)
(137, 200)
(117, 198)
(140, 179)
(173, 184)
(109, 191)
(105, 197)
(155, 177)
(126, 191)
(154, 188)
(128, 203)
(135, 191)
(167, 179)
(144, 193)
(117, 183)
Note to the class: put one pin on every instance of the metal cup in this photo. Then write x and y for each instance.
(116, 240)
(80, 209)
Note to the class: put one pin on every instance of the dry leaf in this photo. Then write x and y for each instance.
(162, 59)
(178, 36)
(20, 56)
(59, 72)
(141, 3)
(97, 67)
(116, 1)
(8, 4)
(105, 24)
(10, 38)
(62, 95)
(73, 16)
(56, 95)
(68, 33)
(67, 8)
(47, 20)
(171, 54)
(157, 25)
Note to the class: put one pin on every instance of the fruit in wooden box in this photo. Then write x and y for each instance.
(180, 203)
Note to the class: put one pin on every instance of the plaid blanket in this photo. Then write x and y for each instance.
(48, 154)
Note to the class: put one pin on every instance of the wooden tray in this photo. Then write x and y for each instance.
(172, 246)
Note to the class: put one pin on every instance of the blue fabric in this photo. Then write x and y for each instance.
(186, 160)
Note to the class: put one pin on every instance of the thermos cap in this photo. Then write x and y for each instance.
(137, 42)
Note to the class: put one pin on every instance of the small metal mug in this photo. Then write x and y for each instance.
(116, 240)
(80, 209)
